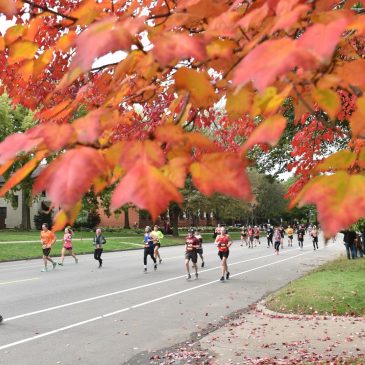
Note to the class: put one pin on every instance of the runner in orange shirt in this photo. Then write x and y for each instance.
(48, 238)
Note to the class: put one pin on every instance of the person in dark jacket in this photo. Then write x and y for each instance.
(98, 241)
(349, 237)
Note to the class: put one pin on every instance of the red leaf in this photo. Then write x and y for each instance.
(172, 46)
(222, 173)
(100, 38)
(88, 128)
(269, 61)
(339, 198)
(16, 143)
(146, 187)
(268, 132)
(70, 176)
(321, 39)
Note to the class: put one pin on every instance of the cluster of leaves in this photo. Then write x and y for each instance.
(148, 114)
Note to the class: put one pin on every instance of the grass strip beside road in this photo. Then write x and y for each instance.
(334, 288)
(31, 250)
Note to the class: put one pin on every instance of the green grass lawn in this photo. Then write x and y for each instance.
(334, 288)
(116, 241)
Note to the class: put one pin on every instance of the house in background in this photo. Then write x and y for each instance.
(11, 217)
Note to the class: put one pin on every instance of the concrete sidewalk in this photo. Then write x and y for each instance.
(263, 337)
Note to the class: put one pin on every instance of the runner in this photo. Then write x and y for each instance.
(250, 237)
(301, 233)
(224, 242)
(256, 235)
(191, 246)
(157, 236)
(67, 245)
(200, 249)
(98, 241)
(282, 233)
(269, 235)
(149, 247)
(314, 235)
(244, 235)
(1, 318)
(290, 232)
(217, 231)
(48, 238)
(277, 239)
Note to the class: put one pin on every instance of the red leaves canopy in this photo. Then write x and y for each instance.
(149, 115)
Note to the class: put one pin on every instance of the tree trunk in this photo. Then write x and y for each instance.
(174, 212)
(25, 212)
(126, 218)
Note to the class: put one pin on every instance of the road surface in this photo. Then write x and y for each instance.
(79, 314)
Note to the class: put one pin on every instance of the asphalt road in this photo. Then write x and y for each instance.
(79, 314)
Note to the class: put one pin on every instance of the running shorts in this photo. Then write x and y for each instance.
(192, 255)
(315, 239)
(291, 237)
(46, 251)
(251, 238)
(257, 237)
(157, 244)
(200, 251)
(223, 254)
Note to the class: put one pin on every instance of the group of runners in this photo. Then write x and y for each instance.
(250, 236)
(275, 236)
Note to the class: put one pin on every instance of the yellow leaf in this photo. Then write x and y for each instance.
(26, 70)
(341, 160)
(14, 33)
(22, 50)
(239, 103)
(197, 84)
(328, 100)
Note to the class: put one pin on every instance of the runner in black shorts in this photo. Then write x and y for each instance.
(223, 242)
(192, 244)
(200, 249)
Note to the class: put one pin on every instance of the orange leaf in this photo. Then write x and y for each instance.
(8, 8)
(171, 46)
(147, 152)
(268, 132)
(5, 167)
(22, 50)
(222, 173)
(14, 33)
(339, 198)
(52, 113)
(341, 160)
(69, 177)
(66, 41)
(41, 63)
(66, 217)
(2, 44)
(176, 170)
(22, 173)
(353, 73)
(357, 119)
(197, 84)
(239, 103)
(328, 100)
(170, 133)
(361, 158)
(146, 187)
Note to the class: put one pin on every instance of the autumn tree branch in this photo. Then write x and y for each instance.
(45, 9)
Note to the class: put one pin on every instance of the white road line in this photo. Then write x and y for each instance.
(77, 324)
(17, 281)
(124, 290)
